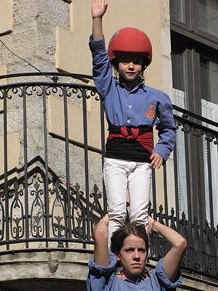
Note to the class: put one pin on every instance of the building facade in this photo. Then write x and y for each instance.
(52, 135)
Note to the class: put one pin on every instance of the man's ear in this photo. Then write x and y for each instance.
(118, 256)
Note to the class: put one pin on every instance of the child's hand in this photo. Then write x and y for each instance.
(156, 161)
(99, 8)
(101, 228)
(150, 225)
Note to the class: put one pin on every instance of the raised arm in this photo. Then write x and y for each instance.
(172, 259)
(100, 236)
(99, 8)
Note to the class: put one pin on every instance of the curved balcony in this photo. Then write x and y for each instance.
(51, 190)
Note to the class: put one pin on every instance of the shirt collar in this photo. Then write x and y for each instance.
(120, 275)
(141, 84)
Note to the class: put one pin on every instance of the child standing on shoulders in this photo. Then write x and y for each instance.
(132, 110)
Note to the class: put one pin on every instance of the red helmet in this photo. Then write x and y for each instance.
(130, 40)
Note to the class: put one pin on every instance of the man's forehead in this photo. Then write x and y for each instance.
(133, 241)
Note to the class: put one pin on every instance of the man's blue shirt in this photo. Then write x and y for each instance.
(102, 278)
(140, 106)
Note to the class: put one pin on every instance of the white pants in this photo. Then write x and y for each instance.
(121, 178)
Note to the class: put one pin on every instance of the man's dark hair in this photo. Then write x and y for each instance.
(120, 234)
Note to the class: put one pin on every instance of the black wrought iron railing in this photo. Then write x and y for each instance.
(52, 138)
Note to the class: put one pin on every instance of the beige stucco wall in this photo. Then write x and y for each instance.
(75, 115)
(13, 141)
(6, 16)
(13, 150)
(3, 71)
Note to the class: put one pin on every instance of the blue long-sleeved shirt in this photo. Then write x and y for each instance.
(140, 106)
(102, 278)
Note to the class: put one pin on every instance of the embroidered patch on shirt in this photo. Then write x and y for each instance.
(150, 112)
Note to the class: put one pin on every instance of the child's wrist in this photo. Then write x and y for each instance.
(97, 17)
(153, 225)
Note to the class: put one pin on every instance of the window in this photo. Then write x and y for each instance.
(177, 10)
(207, 16)
(194, 39)
(209, 80)
(179, 68)
(198, 16)
(194, 34)
(195, 73)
